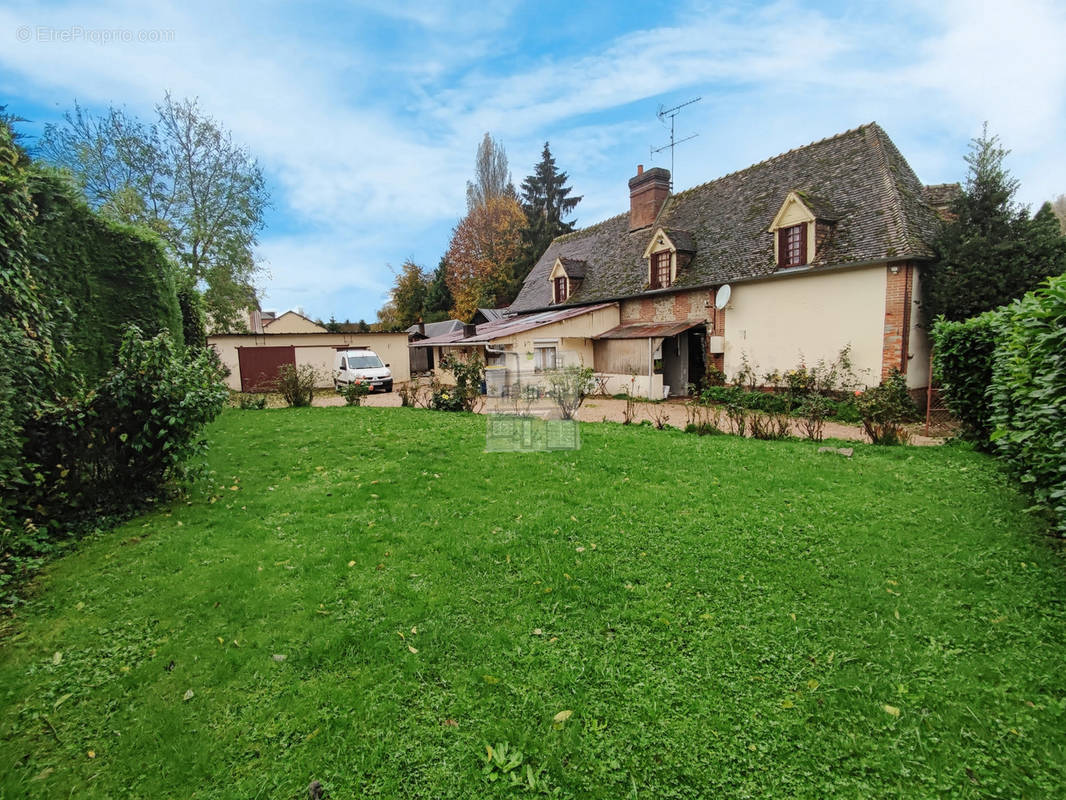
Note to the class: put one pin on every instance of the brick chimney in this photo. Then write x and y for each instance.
(647, 193)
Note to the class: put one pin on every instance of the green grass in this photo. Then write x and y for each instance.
(723, 618)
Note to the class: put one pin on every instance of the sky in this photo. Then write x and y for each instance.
(365, 117)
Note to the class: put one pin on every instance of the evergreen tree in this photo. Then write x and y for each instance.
(438, 297)
(546, 202)
(993, 251)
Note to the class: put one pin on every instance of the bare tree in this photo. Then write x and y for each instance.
(492, 178)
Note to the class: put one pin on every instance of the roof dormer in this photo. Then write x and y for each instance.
(802, 225)
(565, 278)
(667, 253)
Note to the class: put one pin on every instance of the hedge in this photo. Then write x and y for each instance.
(962, 362)
(1004, 376)
(99, 277)
(1028, 394)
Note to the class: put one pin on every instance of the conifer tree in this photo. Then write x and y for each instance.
(993, 251)
(546, 202)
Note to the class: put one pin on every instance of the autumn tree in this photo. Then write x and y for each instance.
(546, 203)
(484, 247)
(406, 298)
(181, 176)
(992, 251)
(492, 178)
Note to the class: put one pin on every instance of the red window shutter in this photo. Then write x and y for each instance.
(782, 247)
(803, 242)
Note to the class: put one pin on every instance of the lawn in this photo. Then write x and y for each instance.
(363, 597)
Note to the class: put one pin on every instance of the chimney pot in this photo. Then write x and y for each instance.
(640, 169)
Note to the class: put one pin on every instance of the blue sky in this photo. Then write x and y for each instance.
(365, 117)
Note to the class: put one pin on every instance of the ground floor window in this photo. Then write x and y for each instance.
(543, 357)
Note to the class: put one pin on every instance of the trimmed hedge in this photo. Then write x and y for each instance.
(1004, 377)
(99, 277)
(1028, 394)
(962, 362)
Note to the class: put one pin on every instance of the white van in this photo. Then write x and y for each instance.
(359, 364)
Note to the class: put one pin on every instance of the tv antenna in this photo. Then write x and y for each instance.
(672, 113)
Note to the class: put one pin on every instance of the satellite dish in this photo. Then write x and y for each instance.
(721, 297)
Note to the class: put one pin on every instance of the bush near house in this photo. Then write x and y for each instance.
(962, 362)
(1004, 376)
(1028, 394)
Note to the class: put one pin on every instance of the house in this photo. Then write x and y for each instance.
(782, 263)
(291, 322)
(422, 357)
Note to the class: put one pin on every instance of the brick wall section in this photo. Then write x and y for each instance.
(696, 306)
(898, 289)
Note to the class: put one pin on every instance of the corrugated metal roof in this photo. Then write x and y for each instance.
(498, 329)
(647, 330)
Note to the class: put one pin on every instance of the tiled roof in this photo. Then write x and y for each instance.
(942, 194)
(857, 179)
(574, 268)
(493, 313)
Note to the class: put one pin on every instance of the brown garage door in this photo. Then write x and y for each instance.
(259, 366)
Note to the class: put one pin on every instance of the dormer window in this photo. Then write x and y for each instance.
(668, 252)
(660, 270)
(560, 290)
(565, 278)
(801, 229)
(792, 246)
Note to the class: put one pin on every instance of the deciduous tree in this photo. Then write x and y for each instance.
(182, 176)
(492, 178)
(481, 258)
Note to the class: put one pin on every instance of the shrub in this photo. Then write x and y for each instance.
(297, 384)
(409, 392)
(885, 408)
(813, 412)
(251, 401)
(962, 362)
(108, 451)
(354, 393)
(466, 394)
(1029, 394)
(569, 386)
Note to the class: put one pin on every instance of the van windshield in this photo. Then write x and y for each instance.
(364, 362)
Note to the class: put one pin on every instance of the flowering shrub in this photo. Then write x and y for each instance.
(466, 394)
(354, 393)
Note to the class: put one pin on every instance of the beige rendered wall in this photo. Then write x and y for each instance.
(291, 322)
(316, 349)
(779, 323)
(918, 343)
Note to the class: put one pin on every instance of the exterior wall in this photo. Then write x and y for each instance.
(899, 282)
(291, 322)
(918, 366)
(696, 306)
(778, 323)
(316, 349)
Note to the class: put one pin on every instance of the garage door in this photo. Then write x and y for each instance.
(259, 366)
